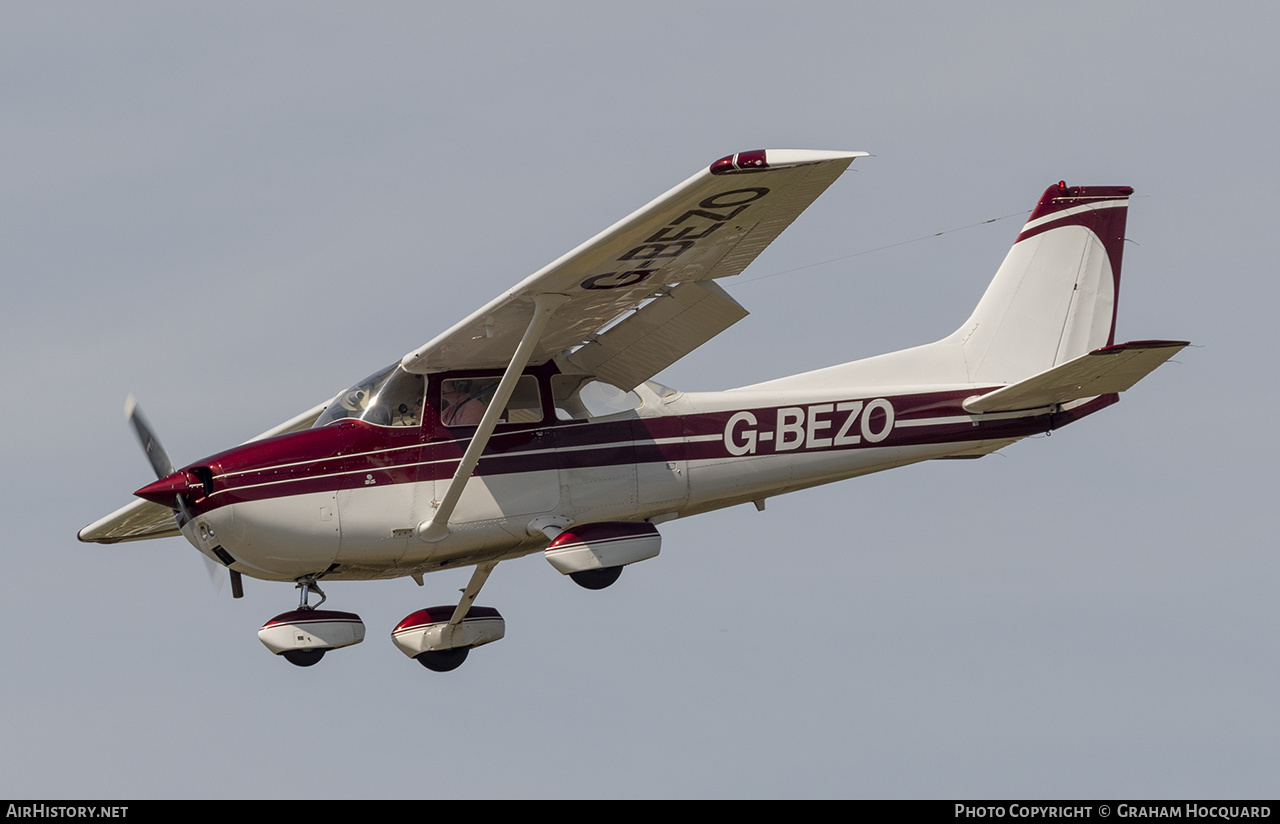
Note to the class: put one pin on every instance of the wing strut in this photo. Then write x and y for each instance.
(437, 527)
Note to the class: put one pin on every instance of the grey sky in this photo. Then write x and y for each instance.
(233, 210)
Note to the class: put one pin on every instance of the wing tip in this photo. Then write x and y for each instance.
(758, 160)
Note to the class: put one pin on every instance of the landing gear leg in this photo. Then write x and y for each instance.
(308, 583)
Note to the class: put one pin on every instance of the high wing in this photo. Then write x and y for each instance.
(658, 263)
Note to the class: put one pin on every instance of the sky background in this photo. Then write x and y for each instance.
(234, 210)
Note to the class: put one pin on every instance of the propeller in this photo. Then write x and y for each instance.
(163, 467)
(159, 459)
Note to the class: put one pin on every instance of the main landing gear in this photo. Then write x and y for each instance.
(303, 636)
(440, 638)
(593, 555)
(432, 638)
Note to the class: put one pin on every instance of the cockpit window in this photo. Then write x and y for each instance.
(463, 400)
(392, 397)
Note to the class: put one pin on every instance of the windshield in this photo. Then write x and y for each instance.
(392, 397)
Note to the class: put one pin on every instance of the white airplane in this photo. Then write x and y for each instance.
(491, 442)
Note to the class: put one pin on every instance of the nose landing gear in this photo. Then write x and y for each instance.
(303, 636)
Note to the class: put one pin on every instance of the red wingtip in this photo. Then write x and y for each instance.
(740, 162)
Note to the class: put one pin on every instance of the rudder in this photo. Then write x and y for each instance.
(1054, 297)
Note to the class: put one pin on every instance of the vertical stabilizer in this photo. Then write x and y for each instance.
(1054, 297)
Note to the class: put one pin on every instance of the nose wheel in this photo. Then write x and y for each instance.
(303, 636)
(303, 657)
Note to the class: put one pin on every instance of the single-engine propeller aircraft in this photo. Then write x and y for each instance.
(484, 445)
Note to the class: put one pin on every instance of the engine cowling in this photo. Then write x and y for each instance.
(588, 547)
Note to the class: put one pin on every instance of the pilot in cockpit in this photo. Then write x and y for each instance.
(465, 400)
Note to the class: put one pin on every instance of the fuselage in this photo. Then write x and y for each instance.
(344, 500)
(504, 434)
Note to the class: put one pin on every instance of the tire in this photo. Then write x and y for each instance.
(596, 578)
(443, 660)
(303, 657)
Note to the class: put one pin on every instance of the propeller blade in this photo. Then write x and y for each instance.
(217, 574)
(163, 468)
(150, 443)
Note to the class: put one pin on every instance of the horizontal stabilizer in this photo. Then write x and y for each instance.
(1100, 372)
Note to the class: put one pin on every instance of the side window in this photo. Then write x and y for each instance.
(578, 397)
(525, 405)
(463, 400)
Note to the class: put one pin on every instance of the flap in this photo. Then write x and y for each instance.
(660, 333)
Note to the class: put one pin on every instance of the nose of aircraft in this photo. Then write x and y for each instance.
(166, 490)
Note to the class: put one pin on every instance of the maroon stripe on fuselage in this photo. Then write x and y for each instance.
(353, 454)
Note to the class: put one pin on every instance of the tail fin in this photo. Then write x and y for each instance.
(1054, 297)
(1052, 302)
